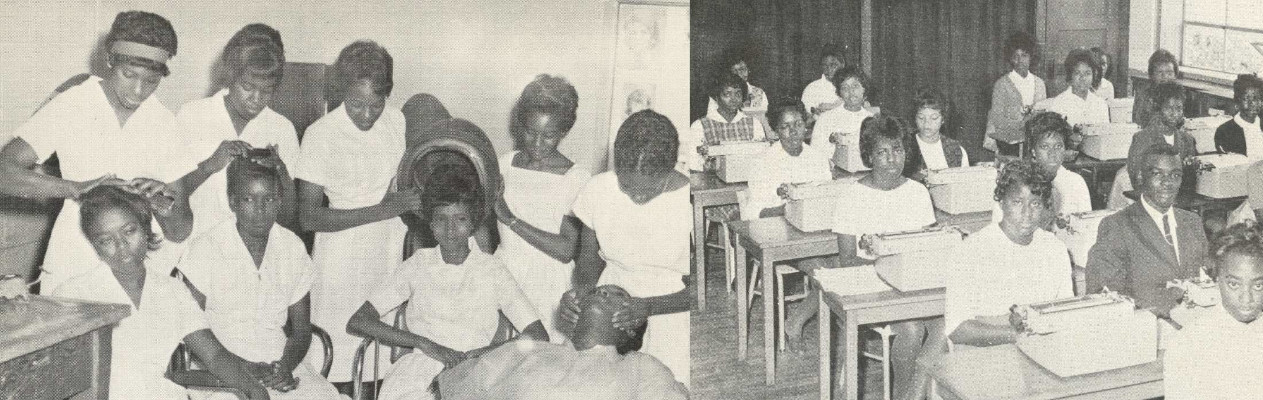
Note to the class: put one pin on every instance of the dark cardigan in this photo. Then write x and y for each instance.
(1230, 138)
(915, 163)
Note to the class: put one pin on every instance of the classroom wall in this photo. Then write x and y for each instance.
(1155, 24)
(475, 55)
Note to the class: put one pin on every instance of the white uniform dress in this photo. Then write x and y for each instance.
(1216, 357)
(205, 124)
(541, 199)
(142, 344)
(646, 250)
(248, 306)
(990, 273)
(864, 210)
(1077, 110)
(846, 124)
(355, 168)
(819, 91)
(81, 127)
(455, 306)
(777, 167)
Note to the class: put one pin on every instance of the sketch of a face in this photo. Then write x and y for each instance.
(641, 35)
(639, 97)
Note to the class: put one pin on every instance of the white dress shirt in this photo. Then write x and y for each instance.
(820, 91)
(1025, 86)
(1079, 110)
(1253, 137)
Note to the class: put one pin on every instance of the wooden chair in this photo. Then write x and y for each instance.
(182, 370)
(504, 332)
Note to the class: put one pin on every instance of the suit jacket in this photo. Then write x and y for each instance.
(1185, 144)
(1131, 257)
(1004, 121)
(1230, 138)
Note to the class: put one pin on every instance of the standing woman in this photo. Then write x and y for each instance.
(929, 149)
(350, 155)
(1012, 96)
(539, 236)
(636, 227)
(105, 126)
(236, 119)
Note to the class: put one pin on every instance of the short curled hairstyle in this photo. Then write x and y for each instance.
(1244, 83)
(851, 71)
(105, 197)
(548, 95)
(1044, 125)
(364, 60)
(776, 112)
(932, 99)
(877, 128)
(1164, 92)
(647, 143)
(1244, 238)
(1162, 56)
(1023, 173)
(450, 184)
(243, 170)
(728, 79)
(255, 50)
(1019, 41)
(144, 28)
(1083, 56)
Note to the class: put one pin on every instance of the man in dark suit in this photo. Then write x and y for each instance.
(1142, 247)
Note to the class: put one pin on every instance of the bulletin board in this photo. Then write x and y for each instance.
(651, 66)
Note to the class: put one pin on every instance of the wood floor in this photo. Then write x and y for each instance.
(717, 374)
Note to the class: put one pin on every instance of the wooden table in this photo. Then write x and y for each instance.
(1003, 372)
(707, 190)
(53, 348)
(863, 309)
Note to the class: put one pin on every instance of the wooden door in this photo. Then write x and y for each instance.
(1062, 25)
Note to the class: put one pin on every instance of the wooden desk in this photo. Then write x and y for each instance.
(707, 190)
(863, 309)
(53, 348)
(1003, 372)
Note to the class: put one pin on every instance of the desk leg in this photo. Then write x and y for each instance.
(743, 299)
(769, 320)
(825, 317)
(851, 357)
(699, 254)
(101, 363)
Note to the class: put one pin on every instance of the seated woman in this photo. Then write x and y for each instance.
(789, 162)
(1242, 134)
(1046, 137)
(163, 313)
(1166, 127)
(1217, 356)
(1006, 263)
(756, 101)
(883, 201)
(839, 128)
(596, 363)
(252, 277)
(455, 294)
(1079, 103)
(1105, 89)
(1163, 68)
(929, 149)
(1013, 95)
(724, 124)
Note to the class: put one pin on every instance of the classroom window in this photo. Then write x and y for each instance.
(1222, 38)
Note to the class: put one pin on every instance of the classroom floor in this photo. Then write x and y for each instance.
(717, 374)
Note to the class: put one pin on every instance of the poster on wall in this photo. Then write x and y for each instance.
(651, 63)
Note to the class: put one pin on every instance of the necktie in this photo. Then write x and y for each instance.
(1166, 234)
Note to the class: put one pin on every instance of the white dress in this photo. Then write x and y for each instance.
(847, 125)
(355, 168)
(646, 250)
(864, 210)
(541, 199)
(205, 123)
(247, 306)
(1215, 357)
(142, 343)
(455, 306)
(1090, 110)
(81, 127)
(818, 92)
(777, 167)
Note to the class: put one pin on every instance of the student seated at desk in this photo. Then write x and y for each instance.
(1166, 127)
(726, 123)
(1142, 247)
(596, 363)
(1046, 137)
(1163, 68)
(1006, 263)
(1218, 356)
(1242, 134)
(821, 94)
(1078, 102)
(455, 293)
(756, 101)
(788, 161)
(930, 149)
(841, 125)
(883, 201)
(252, 276)
(163, 313)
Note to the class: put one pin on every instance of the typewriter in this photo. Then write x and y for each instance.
(1222, 175)
(1120, 109)
(810, 205)
(913, 260)
(734, 161)
(1107, 141)
(963, 189)
(1087, 334)
(1202, 129)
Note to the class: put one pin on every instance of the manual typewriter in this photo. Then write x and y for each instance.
(810, 205)
(913, 260)
(734, 161)
(1087, 334)
(963, 189)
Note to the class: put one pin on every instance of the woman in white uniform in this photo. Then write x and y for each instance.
(105, 126)
(636, 227)
(350, 156)
(538, 235)
(235, 120)
(1046, 137)
(1079, 102)
(163, 312)
(838, 129)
